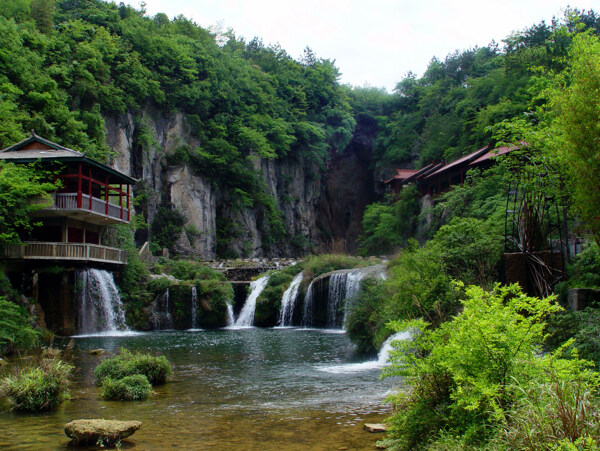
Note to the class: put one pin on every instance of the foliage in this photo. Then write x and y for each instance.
(419, 286)
(388, 226)
(167, 226)
(365, 323)
(470, 249)
(579, 329)
(480, 377)
(187, 270)
(482, 196)
(43, 387)
(128, 363)
(23, 190)
(130, 388)
(268, 304)
(576, 104)
(584, 271)
(16, 328)
(315, 265)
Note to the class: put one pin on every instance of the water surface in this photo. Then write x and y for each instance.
(246, 389)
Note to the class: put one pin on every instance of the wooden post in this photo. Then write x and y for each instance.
(128, 210)
(106, 196)
(90, 187)
(121, 198)
(79, 196)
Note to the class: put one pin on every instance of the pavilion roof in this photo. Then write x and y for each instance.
(35, 148)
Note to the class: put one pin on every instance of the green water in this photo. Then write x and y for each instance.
(249, 389)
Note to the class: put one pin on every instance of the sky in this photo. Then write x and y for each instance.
(373, 42)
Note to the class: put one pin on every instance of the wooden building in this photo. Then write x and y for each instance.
(92, 196)
(437, 178)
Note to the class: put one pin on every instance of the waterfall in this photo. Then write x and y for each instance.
(354, 279)
(307, 318)
(194, 307)
(288, 301)
(230, 319)
(161, 312)
(382, 357)
(99, 305)
(337, 295)
(246, 317)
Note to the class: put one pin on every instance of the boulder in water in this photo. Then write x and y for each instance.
(100, 432)
(374, 427)
(98, 351)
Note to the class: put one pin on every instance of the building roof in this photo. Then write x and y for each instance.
(402, 174)
(36, 148)
(463, 160)
(493, 153)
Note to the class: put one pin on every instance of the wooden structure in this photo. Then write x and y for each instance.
(437, 178)
(92, 196)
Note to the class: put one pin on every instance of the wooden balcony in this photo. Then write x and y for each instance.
(86, 208)
(75, 252)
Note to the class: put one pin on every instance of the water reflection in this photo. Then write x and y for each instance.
(231, 389)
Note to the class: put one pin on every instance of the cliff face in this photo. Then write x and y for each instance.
(321, 208)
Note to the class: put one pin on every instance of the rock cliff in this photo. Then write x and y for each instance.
(320, 207)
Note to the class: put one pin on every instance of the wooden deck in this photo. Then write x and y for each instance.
(37, 250)
(74, 202)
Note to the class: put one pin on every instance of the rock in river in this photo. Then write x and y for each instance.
(100, 432)
(372, 427)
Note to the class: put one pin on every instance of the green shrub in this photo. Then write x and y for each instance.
(128, 363)
(129, 388)
(187, 270)
(470, 249)
(40, 388)
(365, 322)
(387, 226)
(16, 328)
(584, 272)
(479, 380)
(315, 265)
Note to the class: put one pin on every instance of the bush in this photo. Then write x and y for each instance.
(315, 265)
(479, 379)
(129, 388)
(128, 363)
(584, 272)
(16, 328)
(41, 388)
(387, 226)
(187, 270)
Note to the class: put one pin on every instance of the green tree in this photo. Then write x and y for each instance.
(577, 105)
(23, 190)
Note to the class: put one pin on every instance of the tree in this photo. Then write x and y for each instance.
(23, 190)
(42, 12)
(578, 124)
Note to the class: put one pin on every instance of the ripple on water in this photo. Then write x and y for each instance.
(257, 388)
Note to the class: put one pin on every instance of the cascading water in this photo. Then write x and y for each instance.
(336, 297)
(230, 319)
(161, 312)
(246, 317)
(194, 308)
(309, 301)
(99, 305)
(382, 357)
(288, 301)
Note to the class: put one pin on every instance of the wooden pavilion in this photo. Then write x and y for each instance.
(92, 196)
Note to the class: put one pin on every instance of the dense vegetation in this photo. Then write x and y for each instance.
(156, 369)
(40, 386)
(67, 65)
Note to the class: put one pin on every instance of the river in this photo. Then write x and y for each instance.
(232, 389)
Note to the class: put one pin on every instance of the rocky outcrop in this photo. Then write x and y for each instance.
(100, 432)
(321, 208)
